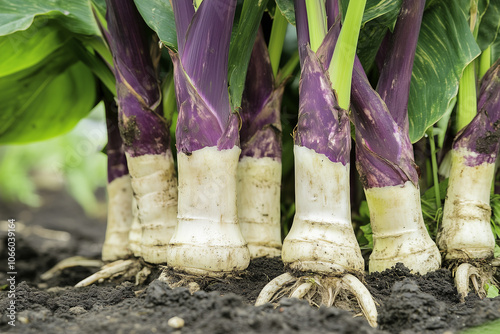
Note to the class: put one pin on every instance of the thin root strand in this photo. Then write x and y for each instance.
(111, 269)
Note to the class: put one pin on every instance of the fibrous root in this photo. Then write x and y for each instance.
(70, 262)
(121, 268)
(322, 290)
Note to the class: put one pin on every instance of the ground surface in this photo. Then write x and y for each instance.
(407, 303)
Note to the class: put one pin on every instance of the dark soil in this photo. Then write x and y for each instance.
(407, 303)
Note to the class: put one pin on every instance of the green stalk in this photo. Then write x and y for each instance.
(316, 19)
(484, 61)
(467, 100)
(100, 47)
(197, 4)
(169, 102)
(288, 68)
(277, 39)
(430, 133)
(342, 63)
(96, 65)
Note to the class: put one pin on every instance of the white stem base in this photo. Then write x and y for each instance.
(466, 231)
(259, 183)
(399, 233)
(135, 234)
(119, 219)
(321, 238)
(154, 185)
(207, 239)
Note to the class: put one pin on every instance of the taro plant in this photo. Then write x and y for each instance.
(321, 240)
(208, 239)
(145, 134)
(384, 154)
(225, 93)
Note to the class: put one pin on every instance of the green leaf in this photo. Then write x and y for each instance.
(240, 50)
(490, 23)
(370, 38)
(492, 291)
(45, 100)
(385, 11)
(24, 49)
(492, 327)
(445, 47)
(364, 210)
(496, 252)
(287, 9)
(368, 234)
(159, 16)
(74, 15)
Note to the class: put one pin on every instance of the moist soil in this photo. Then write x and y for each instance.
(59, 229)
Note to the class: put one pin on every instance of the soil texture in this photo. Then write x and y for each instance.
(407, 303)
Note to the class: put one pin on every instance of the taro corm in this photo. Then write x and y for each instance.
(120, 216)
(321, 240)
(207, 239)
(259, 168)
(144, 132)
(466, 233)
(385, 155)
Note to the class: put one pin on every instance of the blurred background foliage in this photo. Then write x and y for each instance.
(73, 161)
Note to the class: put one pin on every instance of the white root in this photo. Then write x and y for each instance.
(208, 239)
(258, 199)
(465, 272)
(466, 232)
(135, 234)
(70, 262)
(107, 271)
(272, 288)
(301, 291)
(154, 184)
(399, 233)
(321, 239)
(365, 299)
(119, 219)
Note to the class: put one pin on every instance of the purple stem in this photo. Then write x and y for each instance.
(183, 13)
(322, 125)
(200, 76)
(117, 162)
(394, 82)
(302, 28)
(260, 132)
(142, 128)
(384, 154)
(482, 136)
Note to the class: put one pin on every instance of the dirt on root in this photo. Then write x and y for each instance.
(407, 303)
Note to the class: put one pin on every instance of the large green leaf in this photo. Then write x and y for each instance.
(159, 16)
(495, 50)
(74, 15)
(24, 49)
(490, 23)
(45, 100)
(445, 47)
